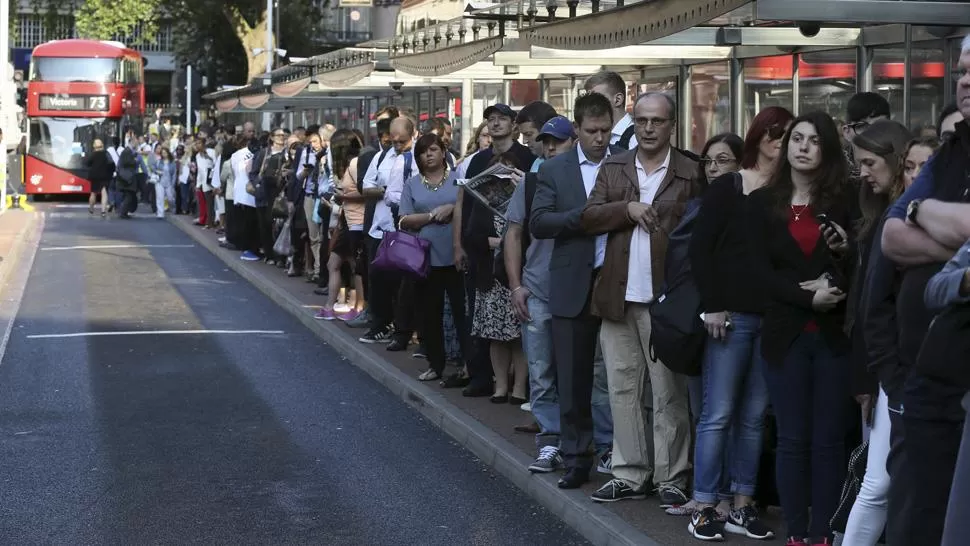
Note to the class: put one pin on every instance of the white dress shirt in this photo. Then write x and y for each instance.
(377, 176)
(621, 126)
(589, 170)
(241, 162)
(639, 284)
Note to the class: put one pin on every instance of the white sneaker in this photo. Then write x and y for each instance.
(526, 407)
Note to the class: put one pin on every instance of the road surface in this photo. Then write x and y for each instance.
(119, 427)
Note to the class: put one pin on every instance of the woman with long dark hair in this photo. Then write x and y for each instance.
(734, 396)
(800, 230)
(427, 205)
(348, 204)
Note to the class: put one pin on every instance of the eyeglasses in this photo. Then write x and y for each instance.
(858, 126)
(775, 132)
(721, 161)
(277, 135)
(646, 122)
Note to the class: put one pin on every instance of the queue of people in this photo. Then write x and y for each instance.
(819, 256)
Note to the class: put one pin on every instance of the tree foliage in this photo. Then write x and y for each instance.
(216, 38)
(106, 19)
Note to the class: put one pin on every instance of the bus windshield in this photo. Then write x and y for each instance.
(66, 69)
(66, 142)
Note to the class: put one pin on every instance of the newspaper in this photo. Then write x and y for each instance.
(493, 187)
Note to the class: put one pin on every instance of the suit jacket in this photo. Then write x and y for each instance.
(606, 212)
(556, 208)
(779, 265)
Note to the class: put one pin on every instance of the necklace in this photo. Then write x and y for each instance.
(434, 187)
(798, 213)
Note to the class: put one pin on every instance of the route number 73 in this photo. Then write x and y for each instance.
(99, 102)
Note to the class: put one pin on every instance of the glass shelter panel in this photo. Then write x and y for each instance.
(888, 73)
(767, 82)
(711, 102)
(928, 81)
(826, 81)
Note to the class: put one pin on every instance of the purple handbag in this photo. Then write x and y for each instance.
(404, 252)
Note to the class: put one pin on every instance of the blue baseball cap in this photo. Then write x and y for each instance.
(503, 109)
(559, 128)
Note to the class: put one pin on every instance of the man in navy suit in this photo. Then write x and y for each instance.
(563, 185)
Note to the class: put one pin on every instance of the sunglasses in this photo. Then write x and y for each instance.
(775, 132)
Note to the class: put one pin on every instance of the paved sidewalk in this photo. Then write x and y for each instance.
(15, 227)
(483, 428)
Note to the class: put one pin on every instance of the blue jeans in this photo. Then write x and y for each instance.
(809, 392)
(734, 402)
(543, 392)
(186, 191)
(543, 395)
(695, 391)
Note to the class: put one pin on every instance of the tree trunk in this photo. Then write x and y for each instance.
(251, 37)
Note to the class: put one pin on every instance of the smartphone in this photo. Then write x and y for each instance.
(823, 219)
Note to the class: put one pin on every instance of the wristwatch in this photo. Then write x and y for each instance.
(912, 210)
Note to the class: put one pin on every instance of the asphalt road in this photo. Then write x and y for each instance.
(213, 438)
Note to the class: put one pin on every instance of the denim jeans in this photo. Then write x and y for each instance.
(809, 393)
(543, 393)
(734, 391)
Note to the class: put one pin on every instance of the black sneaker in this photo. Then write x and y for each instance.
(745, 521)
(397, 345)
(671, 496)
(617, 490)
(376, 336)
(706, 525)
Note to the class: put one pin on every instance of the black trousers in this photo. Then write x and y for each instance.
(228, 222)
(922, 462)
(408, 312)
(431, 291)
(478, 359)
(210, 208)
(247, 229)
(573, 349)
(129, 202)
(264, 222)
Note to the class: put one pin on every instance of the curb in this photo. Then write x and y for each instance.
(594, 522)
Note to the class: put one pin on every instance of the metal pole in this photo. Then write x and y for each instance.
(467, 100)
(685, 122)
(270, 46)
(6, 94)
(737, 96)
(188, 99)
(908, 77)
(795, 83)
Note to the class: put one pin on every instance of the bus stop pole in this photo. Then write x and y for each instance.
(188, 100)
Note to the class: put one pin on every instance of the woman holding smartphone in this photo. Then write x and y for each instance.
(801, 259)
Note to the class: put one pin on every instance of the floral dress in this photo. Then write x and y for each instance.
(494, 318)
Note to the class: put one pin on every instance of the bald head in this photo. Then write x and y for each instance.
(402, 132)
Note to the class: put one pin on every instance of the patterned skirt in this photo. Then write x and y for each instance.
(494, 318)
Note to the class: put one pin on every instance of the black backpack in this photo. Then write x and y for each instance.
(498, 264)
(624, 141)
(677, 335)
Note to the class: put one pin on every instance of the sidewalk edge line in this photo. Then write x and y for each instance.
(595, 523)
(15, 273)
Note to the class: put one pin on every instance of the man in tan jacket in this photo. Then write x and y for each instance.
(639, 198)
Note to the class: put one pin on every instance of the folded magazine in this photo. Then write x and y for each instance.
(493, 187)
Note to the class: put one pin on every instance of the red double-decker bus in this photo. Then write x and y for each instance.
(78, 90)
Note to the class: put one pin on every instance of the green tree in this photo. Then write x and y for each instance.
(217, 38)
(106, 19)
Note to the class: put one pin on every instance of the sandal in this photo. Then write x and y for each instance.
(429, 375)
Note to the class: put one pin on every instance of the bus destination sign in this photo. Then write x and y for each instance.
(76, 103)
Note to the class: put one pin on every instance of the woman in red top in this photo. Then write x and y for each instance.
(800, 234)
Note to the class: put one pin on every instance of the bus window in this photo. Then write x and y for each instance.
(66, 69)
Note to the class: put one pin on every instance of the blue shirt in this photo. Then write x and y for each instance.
(922, 188)
(416, 198)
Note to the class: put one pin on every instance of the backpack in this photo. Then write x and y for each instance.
(498, 263)
(624, 141)
(678, 336)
